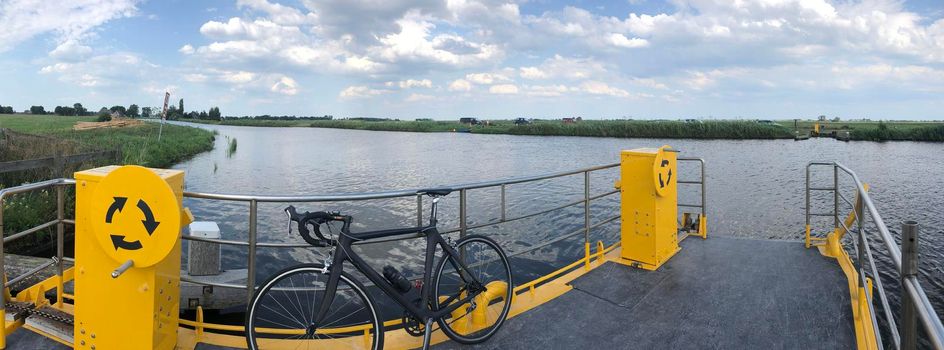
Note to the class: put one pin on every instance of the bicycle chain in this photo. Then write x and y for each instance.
(29, 309)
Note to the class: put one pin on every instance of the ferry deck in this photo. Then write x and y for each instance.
(697, 291)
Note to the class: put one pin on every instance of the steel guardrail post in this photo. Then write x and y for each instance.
(586, 216)
(3, 280)
(251, 259)
(503, 202)
(808, 205)
(909, 268)
(419, 210)
(704, 203)
(836, 196)
(463, 224)
(60, 239)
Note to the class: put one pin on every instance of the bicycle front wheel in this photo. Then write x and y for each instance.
(282, 313)
(479, 319)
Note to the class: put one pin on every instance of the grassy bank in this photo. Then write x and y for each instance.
(877, 131)
(709, 129)
(598, 128)
(137, 145)
(654, 129)
(44, 136)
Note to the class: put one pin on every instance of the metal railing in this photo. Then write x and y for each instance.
(701, 183)
(252, 242)
(914, 302)
(59, 222)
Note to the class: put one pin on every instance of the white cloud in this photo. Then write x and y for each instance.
(120, 71)
(486, 78)
(285, 86)
(71, 51)
(503, 89)
(238, 77)
(55, 68)
(360, 91)
(186, 49)
(279, 13)
(410, 83)
(620, 40)
(532, 73)
(415, 43)
(70, 20)
(559, 67)
(460, 85)
(601, 88)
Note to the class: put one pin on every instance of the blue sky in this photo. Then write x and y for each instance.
(878, 59)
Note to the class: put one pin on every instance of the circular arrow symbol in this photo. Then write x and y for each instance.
(119, 242)
(150, 224)
(136, 215)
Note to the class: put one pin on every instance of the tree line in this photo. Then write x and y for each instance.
(132, 111)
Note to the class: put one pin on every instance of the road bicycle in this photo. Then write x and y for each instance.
(467, 293)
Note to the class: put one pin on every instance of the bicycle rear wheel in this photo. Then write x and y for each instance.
(282, 313)
(479, 319)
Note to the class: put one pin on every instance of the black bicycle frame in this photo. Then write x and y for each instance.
(343, 253)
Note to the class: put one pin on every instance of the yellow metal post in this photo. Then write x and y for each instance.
(3, 329)
(127, 257)
(649, 206)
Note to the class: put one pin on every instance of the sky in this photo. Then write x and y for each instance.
(643, 59)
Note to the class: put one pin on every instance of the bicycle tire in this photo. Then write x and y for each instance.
(485, 333)
(255, 308)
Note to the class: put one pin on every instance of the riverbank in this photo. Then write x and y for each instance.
(874, 131)
(710, 129)
(136, 145)
(707, 129)
(35, 136)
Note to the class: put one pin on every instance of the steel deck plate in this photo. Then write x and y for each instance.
(720, 293)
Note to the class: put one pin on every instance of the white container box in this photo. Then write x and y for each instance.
(203, 258)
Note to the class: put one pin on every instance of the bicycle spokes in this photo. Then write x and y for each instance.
(284, 314)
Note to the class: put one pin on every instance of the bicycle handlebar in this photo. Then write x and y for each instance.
(315, 219)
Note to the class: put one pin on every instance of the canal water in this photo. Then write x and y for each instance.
(755, 189)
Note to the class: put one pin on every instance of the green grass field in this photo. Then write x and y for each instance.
(44, 136)
(137, 145)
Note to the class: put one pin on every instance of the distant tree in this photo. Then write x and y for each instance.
(836, 119)
(37, 110)
(133, 111)
(79, 110)
(104, 115)
(214, 113)
(180, 107)
(6, 110)
(146, 112)
(64, 110)
(203, 115)
(172, 113)
(121, 110)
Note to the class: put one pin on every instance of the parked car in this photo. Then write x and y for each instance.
(470, 121)
(522, 121)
